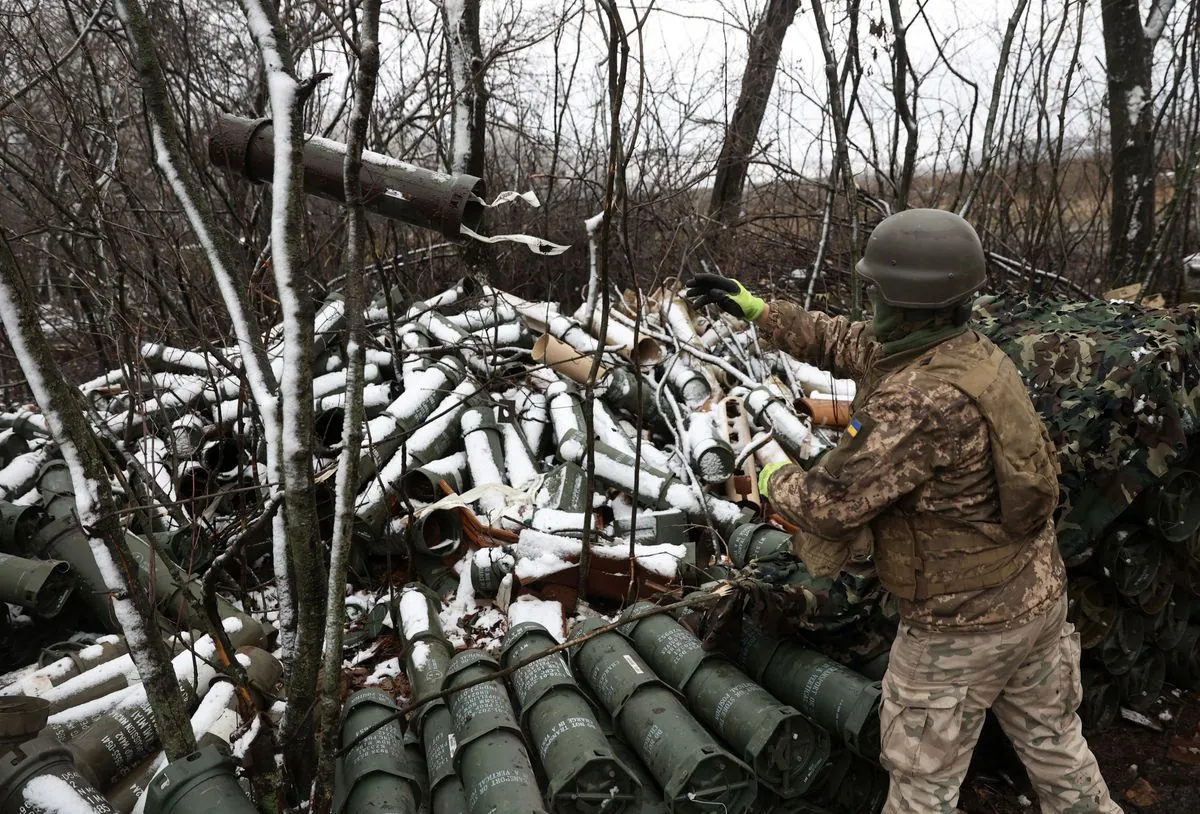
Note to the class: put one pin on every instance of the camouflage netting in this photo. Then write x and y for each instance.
(1119, 387)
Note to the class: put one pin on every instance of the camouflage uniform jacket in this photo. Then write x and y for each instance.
(925, 443)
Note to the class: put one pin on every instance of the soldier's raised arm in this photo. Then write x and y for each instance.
(835, 344)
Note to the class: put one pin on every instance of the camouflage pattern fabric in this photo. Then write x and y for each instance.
(920, 453)
(1118, 386)
(937, 689)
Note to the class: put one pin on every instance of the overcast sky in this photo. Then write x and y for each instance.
(693, 52)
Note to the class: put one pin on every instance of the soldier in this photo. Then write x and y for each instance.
(949, 468)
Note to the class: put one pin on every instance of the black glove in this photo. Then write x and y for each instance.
(724, 292)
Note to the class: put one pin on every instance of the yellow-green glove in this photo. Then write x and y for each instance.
(724, 292)
(764, 477)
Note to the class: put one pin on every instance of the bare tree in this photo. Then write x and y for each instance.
(766, 42)
(1129, 53)
(300, 548)
(367, 42)
(97, 509)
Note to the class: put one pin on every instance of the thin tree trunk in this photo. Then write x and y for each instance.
(98, 515)
(174, 165)
(300, 546)
(468, 115)
(757, 81)
(1129, 55)
(352, 427)
(904, 111)
(841, 163)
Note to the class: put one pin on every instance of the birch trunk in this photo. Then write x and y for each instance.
(299, 547)
(98, 515)
(352, 427)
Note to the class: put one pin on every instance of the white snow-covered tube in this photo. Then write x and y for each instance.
(709, 453)
(485, 316)
(485, 455)
(533, 414)
(566, 416)
(792, 432)
(688, 384)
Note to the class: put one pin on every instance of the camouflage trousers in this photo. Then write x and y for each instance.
(938, 687)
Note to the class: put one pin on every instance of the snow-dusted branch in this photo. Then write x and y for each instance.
(1156, 20)
(352, 427)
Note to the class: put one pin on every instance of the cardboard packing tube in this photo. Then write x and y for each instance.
(827, 412)
(647, 351)
(564, 359)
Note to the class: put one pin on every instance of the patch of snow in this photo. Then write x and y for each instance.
(216, 701)
(22, 470)
(414, 614)
(52, 794)
(547, 613)
(553, 520)
(540, 566)
(533, 543)
(243, 744)
(389, 668)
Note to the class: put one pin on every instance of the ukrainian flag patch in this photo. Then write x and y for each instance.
(853, 428)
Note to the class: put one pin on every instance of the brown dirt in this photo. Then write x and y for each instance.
(1134, 760)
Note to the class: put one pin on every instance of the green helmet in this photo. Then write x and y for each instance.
(924, 258)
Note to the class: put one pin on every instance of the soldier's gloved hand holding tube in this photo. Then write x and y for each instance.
(726, 293)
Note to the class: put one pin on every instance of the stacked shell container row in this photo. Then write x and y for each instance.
(638, 718)
(78, 733)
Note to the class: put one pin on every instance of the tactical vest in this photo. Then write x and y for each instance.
(923, 554)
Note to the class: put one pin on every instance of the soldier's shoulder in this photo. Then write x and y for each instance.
(914, 396)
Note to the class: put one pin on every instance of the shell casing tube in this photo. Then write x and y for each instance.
(115, 744)
(42, 586)
(391, 188)
(427, 653)
(649, 799)
(621, 390)
(489, 567)
(1143, 684)
(446, 794)
(583, 774)
(203, 781)
(694, 771)
(18, 524)
(41, 768)
(836, 698)
(758, 541)
(785, 749)
(491, 759)
(792, 432)
(375, 775)
(616, 469)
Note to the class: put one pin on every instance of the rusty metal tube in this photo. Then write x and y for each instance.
(391, 188)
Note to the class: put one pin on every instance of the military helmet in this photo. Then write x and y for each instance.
(924, 258)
